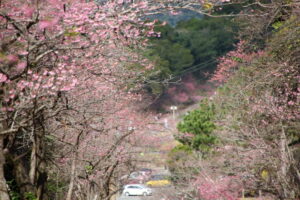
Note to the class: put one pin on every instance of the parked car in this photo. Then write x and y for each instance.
(141, 177)
(137, 189)
(134, 178)
(146, 171)
(158, 180)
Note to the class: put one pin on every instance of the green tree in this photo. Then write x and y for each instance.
(177, 56)
(207, 38)
(199, 125)
(155, 78)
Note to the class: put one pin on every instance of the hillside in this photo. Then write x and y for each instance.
(255, 118)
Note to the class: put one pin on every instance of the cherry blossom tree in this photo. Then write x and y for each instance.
(61, 60)
(231, 62)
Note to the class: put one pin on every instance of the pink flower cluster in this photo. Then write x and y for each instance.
(230, 62)
(225, 188)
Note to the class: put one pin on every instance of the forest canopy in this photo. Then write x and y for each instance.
(191, 47)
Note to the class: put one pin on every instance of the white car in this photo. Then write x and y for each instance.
(137, 189)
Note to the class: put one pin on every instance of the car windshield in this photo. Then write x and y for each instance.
(135, 174)
(145, 170)
(135, 186)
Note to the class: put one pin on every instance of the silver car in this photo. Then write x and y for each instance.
(137, 189)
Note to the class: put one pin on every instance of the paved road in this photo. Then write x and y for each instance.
(131, 198)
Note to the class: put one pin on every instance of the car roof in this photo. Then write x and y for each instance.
(158, 177)
(135, 185)
(145, 169)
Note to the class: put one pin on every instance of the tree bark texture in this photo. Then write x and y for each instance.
(284, 166)
(37, 173)
(73, 168)
(4, 195)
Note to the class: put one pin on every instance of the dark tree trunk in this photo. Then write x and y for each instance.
(37, 173)
(4, 195)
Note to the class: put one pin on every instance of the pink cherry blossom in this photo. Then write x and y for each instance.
(3, 78)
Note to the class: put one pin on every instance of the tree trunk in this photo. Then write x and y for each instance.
(285, 164)
(73, 173)
(3, 187)
(21, 176)
(73, 168)
(38, 174)
(33, 161)
(41, 164)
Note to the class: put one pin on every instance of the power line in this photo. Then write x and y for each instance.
(192, 68)
(195, 68)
